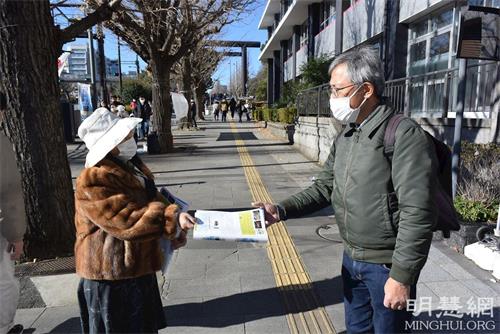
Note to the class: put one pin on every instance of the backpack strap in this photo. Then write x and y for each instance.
(390, 135)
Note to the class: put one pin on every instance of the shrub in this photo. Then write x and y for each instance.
(480, 173)
(282, 115)
(287, 115)
(478, 191)
(474, 211)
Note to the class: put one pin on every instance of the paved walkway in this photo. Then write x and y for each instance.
(229, 287)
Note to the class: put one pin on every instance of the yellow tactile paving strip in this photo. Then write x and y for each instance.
(304, 311)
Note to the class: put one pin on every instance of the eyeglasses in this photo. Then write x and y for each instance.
(335, 91)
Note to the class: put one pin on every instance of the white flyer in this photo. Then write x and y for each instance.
(246, 225)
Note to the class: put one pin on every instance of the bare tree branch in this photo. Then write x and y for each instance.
(102, 13)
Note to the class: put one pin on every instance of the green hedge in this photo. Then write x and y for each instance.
(281, 115)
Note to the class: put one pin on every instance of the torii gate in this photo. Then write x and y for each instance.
(244, 56)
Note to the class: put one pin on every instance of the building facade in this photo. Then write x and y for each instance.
(77, 65)
(417, 41)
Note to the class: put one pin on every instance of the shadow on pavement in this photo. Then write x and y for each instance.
(200, 148)
(235, 309)
(72, 325)
(231, 167)
(252, 305)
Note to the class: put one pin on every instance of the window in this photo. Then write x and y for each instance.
(304, 31)
(430, 51)
(327, 13)
(439, 52)
(289, 48)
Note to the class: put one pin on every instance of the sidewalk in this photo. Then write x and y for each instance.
(229, 287)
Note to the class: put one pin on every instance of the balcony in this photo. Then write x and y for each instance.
(295, 15)
(324, 42)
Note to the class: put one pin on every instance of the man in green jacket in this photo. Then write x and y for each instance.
(385, 214)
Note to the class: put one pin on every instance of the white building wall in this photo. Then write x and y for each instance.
(363, 20)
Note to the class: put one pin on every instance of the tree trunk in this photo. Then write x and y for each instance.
(187, 83)
(33, 122)
(199, 96)
(162, 103)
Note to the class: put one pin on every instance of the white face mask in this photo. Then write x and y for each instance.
(128, 149)
(341, 108)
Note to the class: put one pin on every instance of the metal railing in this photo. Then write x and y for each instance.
(431, 94)
(314, 101)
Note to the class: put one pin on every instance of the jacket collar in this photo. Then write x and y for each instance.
(378, 116)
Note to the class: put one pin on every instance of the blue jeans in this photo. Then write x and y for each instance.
(145, 128)
(364, 299)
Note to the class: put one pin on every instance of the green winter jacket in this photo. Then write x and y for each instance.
(356, 180)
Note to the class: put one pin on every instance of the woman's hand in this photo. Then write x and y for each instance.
(186, 221)
(180, 241)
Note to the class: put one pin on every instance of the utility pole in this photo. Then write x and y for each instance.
(92, 69)
(244, 65)
(102, 64)
(230, 77)
(120, 67)
(457, 138)
(138, 69)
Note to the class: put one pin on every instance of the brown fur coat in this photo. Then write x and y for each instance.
(117, 227)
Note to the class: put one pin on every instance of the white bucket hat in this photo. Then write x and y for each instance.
(102, 131)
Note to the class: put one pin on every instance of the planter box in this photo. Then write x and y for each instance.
(461, 238)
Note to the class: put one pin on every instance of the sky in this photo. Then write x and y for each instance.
(244, 29)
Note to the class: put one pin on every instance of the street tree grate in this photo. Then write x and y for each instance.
(62, 265)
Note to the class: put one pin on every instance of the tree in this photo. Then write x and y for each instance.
(162, 32)
(257, 86)
(133, 88)
(315, 71)
(30, 45)
(204, 60)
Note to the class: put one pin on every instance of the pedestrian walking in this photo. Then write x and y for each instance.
(216, 108)
(192, 110)
(120, 218)
(385, 215)
(248, 109)
(232, 107)
(240, 108)
(12, 229)
(133, 105)
(144, 111)
(224, 107)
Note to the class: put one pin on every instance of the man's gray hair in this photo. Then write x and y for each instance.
(363, 65)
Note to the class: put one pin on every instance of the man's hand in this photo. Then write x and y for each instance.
(186, 221)
(396, 294)
(15, 249)
(270, 212)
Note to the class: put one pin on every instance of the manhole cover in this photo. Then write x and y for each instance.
(47, 267)
(329, 232)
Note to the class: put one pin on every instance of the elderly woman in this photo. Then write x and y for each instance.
(120, 218)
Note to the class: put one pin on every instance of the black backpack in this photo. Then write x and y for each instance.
(447, 217)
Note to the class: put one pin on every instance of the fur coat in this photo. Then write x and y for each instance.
(117, 227)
